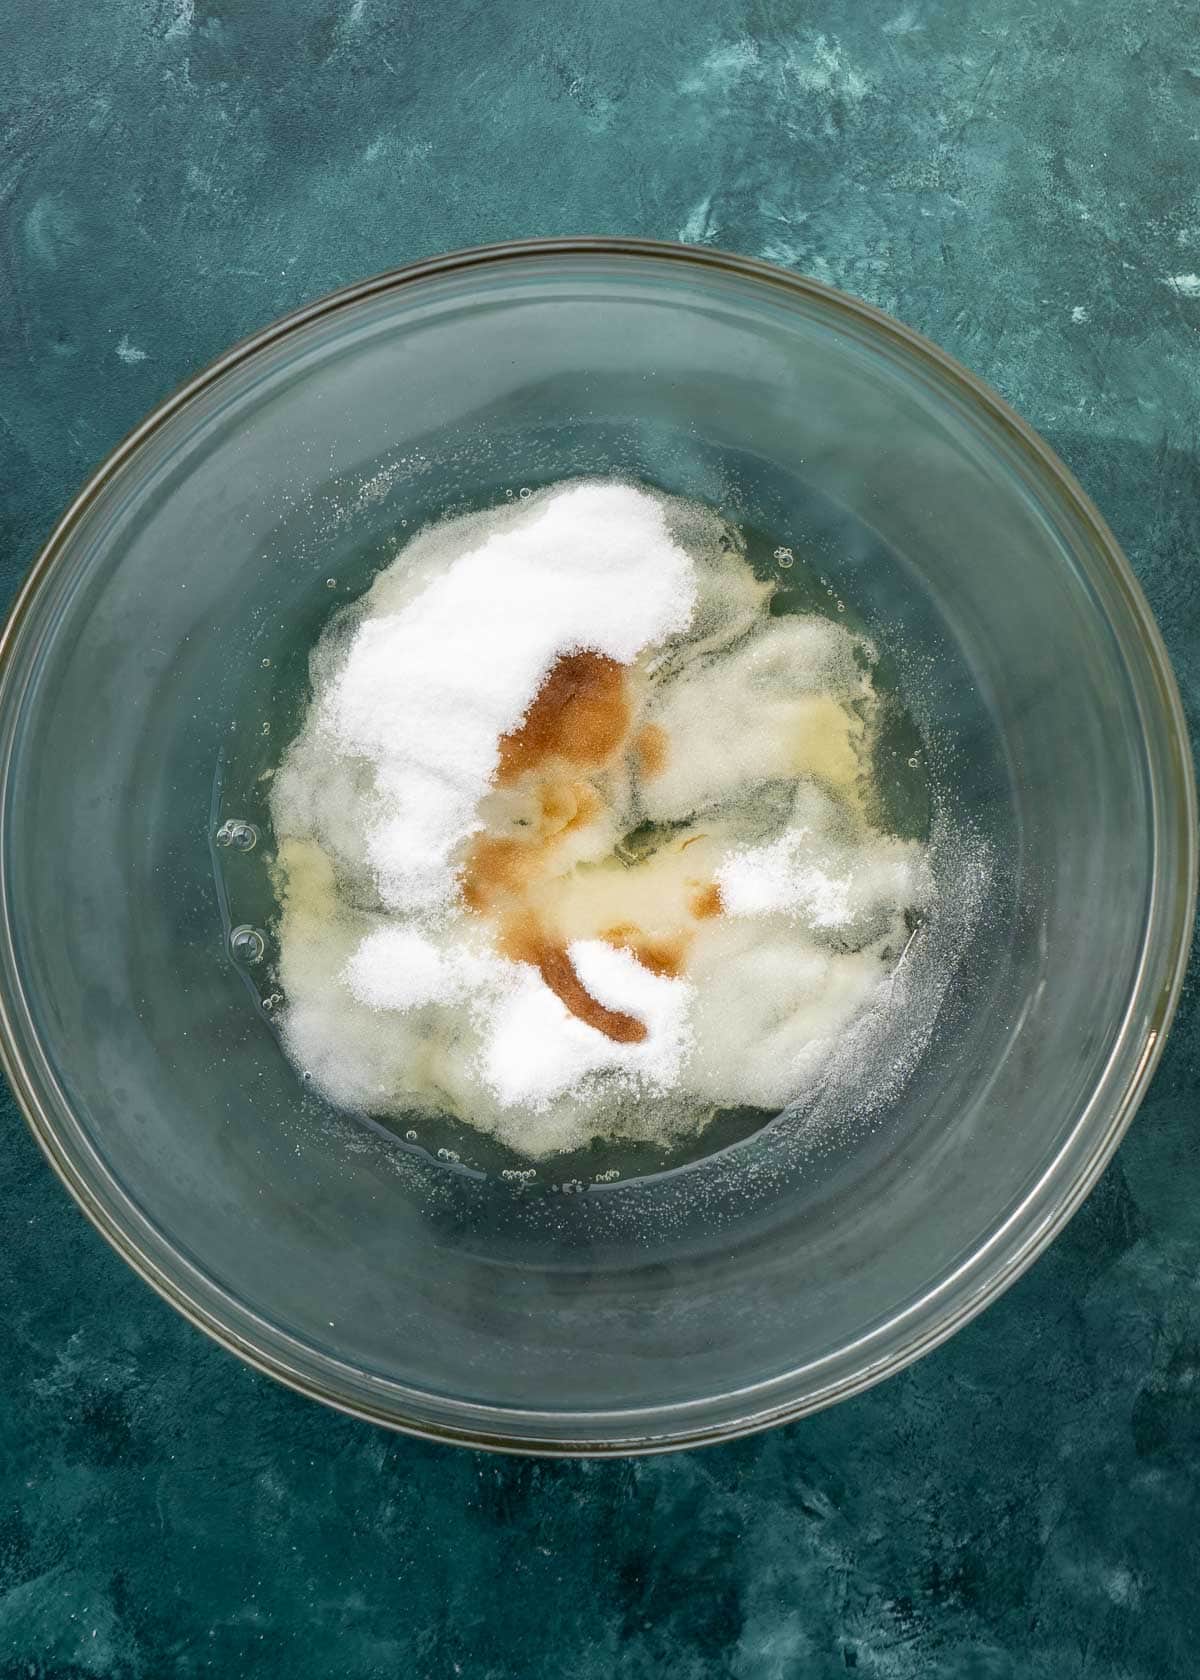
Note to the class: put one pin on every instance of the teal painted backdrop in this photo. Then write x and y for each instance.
(1021, 182)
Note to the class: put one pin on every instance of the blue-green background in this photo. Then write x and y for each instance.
(1020, 181)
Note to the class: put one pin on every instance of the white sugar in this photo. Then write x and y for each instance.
(536, 1050)
(820, 882)
(398, 968)
(426, 693)
(774, 878)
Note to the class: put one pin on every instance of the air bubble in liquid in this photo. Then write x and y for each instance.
(524, 493)
(411, 1136)
(266, 664)
(331, 583)
(785, 557)
(913, 762)
(247, 945)
(238, 835)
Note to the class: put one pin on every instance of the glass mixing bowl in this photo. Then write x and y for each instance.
(789, 1269)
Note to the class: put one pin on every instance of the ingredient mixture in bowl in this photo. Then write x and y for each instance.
(579, 840)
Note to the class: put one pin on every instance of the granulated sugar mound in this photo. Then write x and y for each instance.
(576, 839)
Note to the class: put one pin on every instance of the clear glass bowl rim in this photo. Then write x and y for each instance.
(922, 1326)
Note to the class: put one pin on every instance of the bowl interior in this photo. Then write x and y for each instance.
(796, 1263)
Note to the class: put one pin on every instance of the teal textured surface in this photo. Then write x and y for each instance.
(1021, 186)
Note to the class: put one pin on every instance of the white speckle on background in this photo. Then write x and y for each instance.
(1079, 314)
(185, 16)
(904, 23)
(51, 229)
(721, 68)
(825, 72)
(1122, 1586)
(699, 228)
(1184, 285)
(814, 65)
(129, 353)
